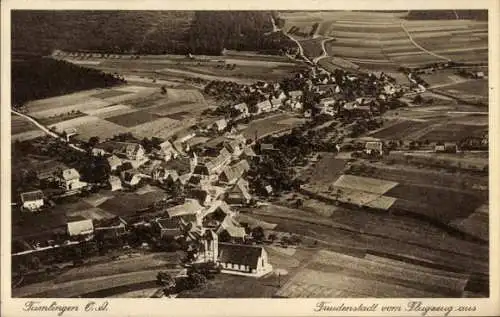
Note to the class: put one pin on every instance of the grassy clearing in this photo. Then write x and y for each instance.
(453, 132)
(401, 130)
(110, 94)
(268, 125)
(326, 170)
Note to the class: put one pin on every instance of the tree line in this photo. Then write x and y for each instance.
(146, 32)
(38, 78)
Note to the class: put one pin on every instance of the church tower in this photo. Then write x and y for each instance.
(210, 246)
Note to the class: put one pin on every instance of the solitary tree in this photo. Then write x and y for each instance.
(197, 280)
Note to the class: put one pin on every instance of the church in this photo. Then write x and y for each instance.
(239, 259)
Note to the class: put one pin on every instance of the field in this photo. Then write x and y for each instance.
(326, 170)
(453, 132)
(239, 68)
(471, 91)
(401, 130)
(331, 274)
(132, 119)
(131, 108)
(20, 125)
(384, 40)
(269, 125)
(396, 236)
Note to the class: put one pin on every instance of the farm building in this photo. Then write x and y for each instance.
(125, 150)
(242, 108)
(115, 183)
(218, 210)
(69, 180)
(114, 162)
(233, 231)
(184, 136)
(297, 106)
(230, 174)
(203, 196)
(374, 147)
(32, 201)
(78, 226)
(112, 228)
(219, 125)
(243, 259)
(295, 95)
(276, 103)
(448, 147)
(48, 170)
(239, 194)
(264, 106)
(132, 177)
(167, 227)
(215, 165)
(167, 151)
(189, 207)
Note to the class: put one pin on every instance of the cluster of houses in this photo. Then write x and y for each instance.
(334, 91)
(212, 180)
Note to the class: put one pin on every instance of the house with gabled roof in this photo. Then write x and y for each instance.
(32, 201)
(114, 162)
(115, 183)
(69, 180)
(215, 165)
(243, 109)
(167, 151)
(276, 103)
(264, 106)
(230, 174)
(295, 95)
(189, 207)
(79, 226)
(168, 227)
(232, 230)
(242, 259)
(239, 194)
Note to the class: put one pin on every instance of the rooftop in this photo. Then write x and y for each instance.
(240, 254)
(30, 196)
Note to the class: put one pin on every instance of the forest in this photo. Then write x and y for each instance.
(37, 78)
(145, 32)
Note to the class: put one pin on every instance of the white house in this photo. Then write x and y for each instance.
(114, 162)
(242, 108)
(297, 106)
(219, 125)
(167, 151)
(295, 95)
(69, 179)
(33, 200)
(115, 183)
(79, 225)
(374, 147)
(264, 106)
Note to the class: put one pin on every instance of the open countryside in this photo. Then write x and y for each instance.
(269, 154)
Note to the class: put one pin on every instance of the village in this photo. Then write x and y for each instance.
(195, 192)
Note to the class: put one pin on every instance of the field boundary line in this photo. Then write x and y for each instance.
(419, 46)
(47, 131)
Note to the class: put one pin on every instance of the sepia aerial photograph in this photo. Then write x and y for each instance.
(249, 154)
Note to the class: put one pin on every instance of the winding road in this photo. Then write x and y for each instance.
(418, 45)
(46, 130)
